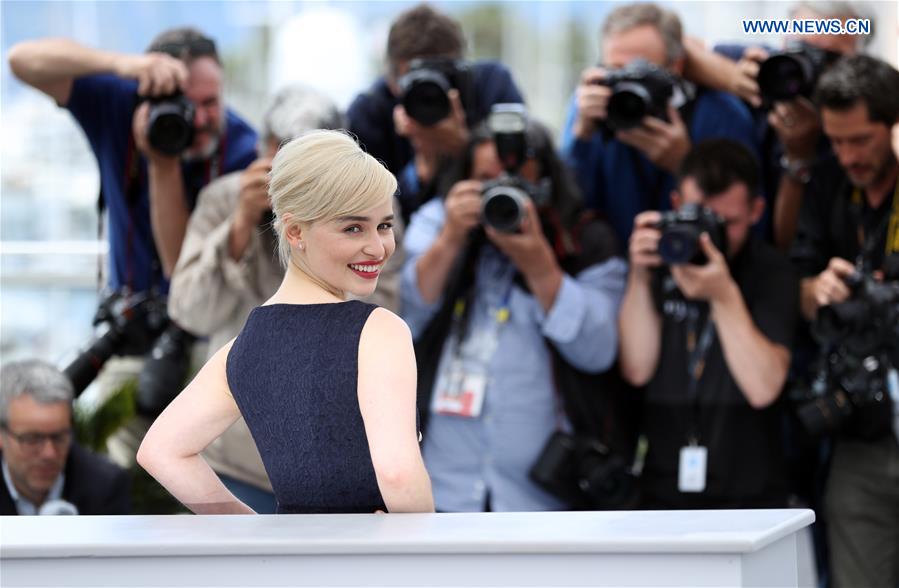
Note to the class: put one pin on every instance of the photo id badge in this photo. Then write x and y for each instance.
(461, 395)
(691, 470)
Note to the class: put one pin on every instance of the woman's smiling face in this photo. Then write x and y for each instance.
(348, 253)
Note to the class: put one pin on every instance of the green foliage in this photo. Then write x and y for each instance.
(95, 424)
(483, 25)
(149, 497)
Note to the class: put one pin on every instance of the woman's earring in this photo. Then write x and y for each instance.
(301, 246)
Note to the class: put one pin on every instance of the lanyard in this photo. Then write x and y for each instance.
(891, 221)
(698, 348)
(460, 324)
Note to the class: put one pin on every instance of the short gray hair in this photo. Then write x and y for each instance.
(838, 9)
(630, 16)
(38, 379)
(296, 109)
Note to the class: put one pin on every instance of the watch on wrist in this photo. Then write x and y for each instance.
(798, 169)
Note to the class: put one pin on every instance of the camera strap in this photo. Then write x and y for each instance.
(868, 242)
(462, 373)
(698, 345)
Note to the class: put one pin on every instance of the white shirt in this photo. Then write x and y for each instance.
(23, 505)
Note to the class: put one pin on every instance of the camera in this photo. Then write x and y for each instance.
(848, 391)
(125, 324)
(584, 473)
(639, 89)
(423, 89)
(136, 324)
(681, 230)
(170, 127)
(793, 72)
(503, 200)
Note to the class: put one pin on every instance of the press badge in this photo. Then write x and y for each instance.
(462, 395)
(462, 382)
(692, 468)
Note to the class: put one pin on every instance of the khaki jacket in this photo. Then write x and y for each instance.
(211, 295)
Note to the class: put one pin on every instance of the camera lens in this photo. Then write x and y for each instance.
(425, 96)
(628, 105)
(503, 208)
(679, 244)
(170, 128)
(783, 77)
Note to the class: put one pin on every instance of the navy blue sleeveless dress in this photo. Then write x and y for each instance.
(293, 371)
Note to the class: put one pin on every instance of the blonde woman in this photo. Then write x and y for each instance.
(326, 385)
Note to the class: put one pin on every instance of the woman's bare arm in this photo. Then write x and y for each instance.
(387, 393)
(170, 451)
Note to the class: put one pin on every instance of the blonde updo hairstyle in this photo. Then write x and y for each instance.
(320, 176)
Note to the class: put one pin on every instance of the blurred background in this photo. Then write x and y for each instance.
(49, 247)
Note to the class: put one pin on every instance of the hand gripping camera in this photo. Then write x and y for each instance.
(504, 199)
(639, 89)
(793, 72)
(423, 89)
(681, 230)
(170, 128)
(859, 338)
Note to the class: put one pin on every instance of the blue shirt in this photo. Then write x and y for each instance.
(619, 182)
(467, 457)
(104, 107)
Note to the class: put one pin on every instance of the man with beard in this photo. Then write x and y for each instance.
(849, 224)
(149, 180)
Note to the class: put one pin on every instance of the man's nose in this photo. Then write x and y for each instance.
(201, 117)
(49, 449)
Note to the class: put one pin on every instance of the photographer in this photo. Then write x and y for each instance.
(706, 324)
(848, 228)
(111, 96)
(228, 267)
(486, 297)
(788, 124)
(624, 162)
(414, 149)
(160, 132)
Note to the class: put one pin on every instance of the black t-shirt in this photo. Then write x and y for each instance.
(829, 221)
(745, 467)
(828, 227)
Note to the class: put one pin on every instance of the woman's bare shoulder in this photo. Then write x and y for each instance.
(386, 325)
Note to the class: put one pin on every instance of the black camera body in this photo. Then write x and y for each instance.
(136, 324)
(639, 89)
(681, 230)
(504, 200)
(424, 88)
(125, 324)
(793, 72)
(584, 473)
(849, 388)
(170, 127)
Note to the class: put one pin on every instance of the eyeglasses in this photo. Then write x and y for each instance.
(35, 441)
